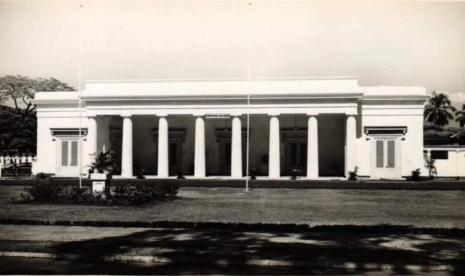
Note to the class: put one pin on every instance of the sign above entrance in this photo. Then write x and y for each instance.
(217, 116)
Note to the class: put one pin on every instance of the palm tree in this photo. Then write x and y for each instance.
(460, 116)
(104, 162)
(439, 110)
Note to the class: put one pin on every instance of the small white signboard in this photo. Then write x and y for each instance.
(98, 186)
(217, 116)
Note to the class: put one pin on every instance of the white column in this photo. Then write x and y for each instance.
(312, 147)
(126, 156)
(105, 131)
(199, 160)
(102, 130)
(274, 155)
(351, 132)
(163, 159)
(236, 148)
(91, 139)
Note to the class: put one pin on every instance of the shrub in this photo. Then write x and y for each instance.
(353, 174)
(294, 174)
(140, 174)
(253, 174)
(104, 162)
(416, 175)
(42, 176)
(46, 191)
(74, 194)
(140, 193)
(430, 165)
(181, 175)
(43, 190)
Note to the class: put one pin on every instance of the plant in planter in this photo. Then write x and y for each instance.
(294, 174)
(104, 163)
(141, 174)
(415, 175)
(353, 174)
(429, 164)
(181, 175)
(253, 174)
(102, 169)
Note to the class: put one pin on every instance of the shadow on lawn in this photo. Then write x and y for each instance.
(233, 252)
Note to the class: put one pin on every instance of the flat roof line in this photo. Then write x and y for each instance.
(226, 79)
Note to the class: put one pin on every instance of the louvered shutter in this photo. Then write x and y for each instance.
(391, 152)
(74, 153)
(64, 153)
(379, 154)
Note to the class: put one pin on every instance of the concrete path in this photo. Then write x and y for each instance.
(174, 251)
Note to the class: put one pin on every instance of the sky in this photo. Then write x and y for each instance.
(397, 43)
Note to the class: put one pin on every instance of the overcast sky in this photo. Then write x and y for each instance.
(384, 43)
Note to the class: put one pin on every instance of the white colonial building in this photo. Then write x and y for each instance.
(318, 127)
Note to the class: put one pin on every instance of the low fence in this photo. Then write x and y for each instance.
(16, 165)
(18, 159)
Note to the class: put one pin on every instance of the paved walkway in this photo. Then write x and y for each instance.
(173, 251)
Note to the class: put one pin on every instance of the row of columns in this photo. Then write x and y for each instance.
(236, 146)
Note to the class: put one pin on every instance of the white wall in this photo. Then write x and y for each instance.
(46, 147)
(451, 167)
(411, 147)
(375, 107)
(331, 140)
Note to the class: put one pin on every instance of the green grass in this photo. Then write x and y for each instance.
(443, 209)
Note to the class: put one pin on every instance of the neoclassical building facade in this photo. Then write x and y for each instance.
(316, 128)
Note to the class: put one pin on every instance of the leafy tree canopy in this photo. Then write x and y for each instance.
(18, 124)
(439, 110)
(20, 90)
(460, 116)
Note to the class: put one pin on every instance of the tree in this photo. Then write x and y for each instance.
(18, 123)
(439, 110)
(460, 116)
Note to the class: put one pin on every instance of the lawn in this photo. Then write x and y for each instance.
(441, 209)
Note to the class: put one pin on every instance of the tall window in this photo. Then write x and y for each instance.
(379, 153)
(391, 154)
(69, 153)
(385, 154)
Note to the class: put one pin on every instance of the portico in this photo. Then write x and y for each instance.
(309, 127)
(235, 140)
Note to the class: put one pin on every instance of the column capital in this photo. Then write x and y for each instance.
(198, 114)
(236, 114)
(312, 114)
(90, 114)
(273, 114)
(162, 114)
(351, 114)
(126, 114)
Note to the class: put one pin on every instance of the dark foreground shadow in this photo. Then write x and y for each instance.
(235, 252)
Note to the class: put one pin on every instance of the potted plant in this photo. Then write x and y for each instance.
(429, 164)
(415, 175)
(294, 174)
(253, 174)
(101, 169)
(353, 174)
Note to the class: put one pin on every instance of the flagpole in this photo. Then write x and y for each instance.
(81, 5)
(248, 145)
